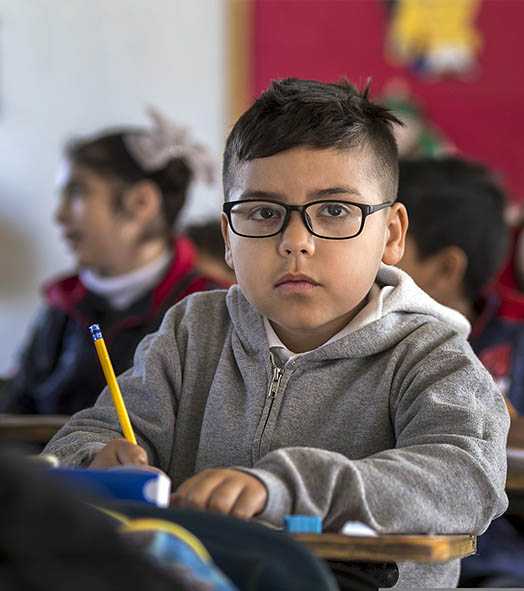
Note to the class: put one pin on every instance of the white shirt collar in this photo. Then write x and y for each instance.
(123, 290)
(370, 312)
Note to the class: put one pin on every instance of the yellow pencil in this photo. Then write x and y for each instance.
(114, 388)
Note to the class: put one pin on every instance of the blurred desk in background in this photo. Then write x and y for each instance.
(31, 429)
(515, 481)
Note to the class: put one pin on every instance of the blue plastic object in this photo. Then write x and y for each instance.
(303, 524)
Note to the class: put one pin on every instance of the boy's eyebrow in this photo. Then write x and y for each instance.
(312, 195)
(343, 190)
(254, 194)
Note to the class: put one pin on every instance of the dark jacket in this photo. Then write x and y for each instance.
(59, 372)
(498, 339)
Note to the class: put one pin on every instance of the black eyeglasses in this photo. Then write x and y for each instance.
(330, 219)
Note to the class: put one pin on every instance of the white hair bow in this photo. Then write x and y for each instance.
(154, 148)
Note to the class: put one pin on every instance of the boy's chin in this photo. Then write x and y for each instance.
(301, 324)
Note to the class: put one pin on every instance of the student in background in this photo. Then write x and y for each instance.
(455, 246)
(209, 244)
(121, 194)
(325, 382)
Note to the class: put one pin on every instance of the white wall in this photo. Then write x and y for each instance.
(69, 67)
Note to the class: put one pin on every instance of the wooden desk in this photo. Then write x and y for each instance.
(515, 478)
(515, 482)
(516, 433)
(389, 548)
(30, 428)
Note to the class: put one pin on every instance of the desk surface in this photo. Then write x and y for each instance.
(389, 548)
(30, 428)
(515, 478)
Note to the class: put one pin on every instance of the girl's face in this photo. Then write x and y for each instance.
(101, 236)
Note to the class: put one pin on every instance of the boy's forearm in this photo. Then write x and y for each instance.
(424, 489)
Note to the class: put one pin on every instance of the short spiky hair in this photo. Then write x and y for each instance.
(456, 202)
(295, 113)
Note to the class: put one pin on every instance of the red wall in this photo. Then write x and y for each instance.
(325, 39)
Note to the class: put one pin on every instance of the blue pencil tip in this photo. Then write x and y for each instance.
(95, 331)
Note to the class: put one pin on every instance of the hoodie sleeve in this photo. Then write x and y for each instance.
(446, 473)
(148, 389)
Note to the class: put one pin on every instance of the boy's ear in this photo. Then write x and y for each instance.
(143, 202)
(450, 266)
(397, 226)
(224, 226)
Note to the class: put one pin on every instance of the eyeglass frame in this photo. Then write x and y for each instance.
(365, 208)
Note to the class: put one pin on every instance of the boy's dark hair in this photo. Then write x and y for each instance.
(107, 155)
(455, 202)
(207, 237)
(295, 113)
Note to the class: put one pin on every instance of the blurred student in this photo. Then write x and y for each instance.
(121, 194)
(209, 243)
(325, 382)
(511, 280)
(456, 243)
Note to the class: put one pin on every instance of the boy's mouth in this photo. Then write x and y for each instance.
(296, 282)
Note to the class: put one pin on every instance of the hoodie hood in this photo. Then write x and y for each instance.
(407, 297)
(405, 308)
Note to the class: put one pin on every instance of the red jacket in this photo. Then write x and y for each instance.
(59, 371)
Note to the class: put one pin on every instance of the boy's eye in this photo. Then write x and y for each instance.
(264, 213)
(336, 210)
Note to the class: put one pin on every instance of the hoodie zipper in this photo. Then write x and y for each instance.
(270, 399)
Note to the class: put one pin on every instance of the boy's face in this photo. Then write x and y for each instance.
(416, 266)
(440, 275)
(333, 277)
(99, 236)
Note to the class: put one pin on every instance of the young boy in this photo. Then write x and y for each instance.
(325, 382)
(455, 246)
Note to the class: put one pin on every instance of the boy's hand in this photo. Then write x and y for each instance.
(224, 490)
(120, 452)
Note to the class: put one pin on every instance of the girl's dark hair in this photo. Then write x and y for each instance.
(295, 113)
(108, 156)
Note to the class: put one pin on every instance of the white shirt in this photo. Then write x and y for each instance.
(123, 290)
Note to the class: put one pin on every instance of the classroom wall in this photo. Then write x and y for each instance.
(482, 113)
(71, 67)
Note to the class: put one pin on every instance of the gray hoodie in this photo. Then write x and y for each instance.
(396, 425)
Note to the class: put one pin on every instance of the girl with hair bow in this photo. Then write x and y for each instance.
(122, 192)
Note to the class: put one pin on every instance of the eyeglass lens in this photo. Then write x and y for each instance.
(331, 219)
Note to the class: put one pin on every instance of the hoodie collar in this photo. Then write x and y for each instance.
(382, 331)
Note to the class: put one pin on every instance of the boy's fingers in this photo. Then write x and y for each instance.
(250, 501)
(118, 452)
(226, 491)
(225, 495)
(129, 453)
(197, 490)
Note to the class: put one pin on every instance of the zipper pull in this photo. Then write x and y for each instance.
(275, 381)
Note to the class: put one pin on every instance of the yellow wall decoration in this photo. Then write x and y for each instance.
(435, 36)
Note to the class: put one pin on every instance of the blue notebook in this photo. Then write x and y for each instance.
(127, 484)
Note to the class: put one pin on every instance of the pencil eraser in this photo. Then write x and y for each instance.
(303, 524)
(95, 331)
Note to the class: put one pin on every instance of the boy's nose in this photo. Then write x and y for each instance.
(296, 238)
